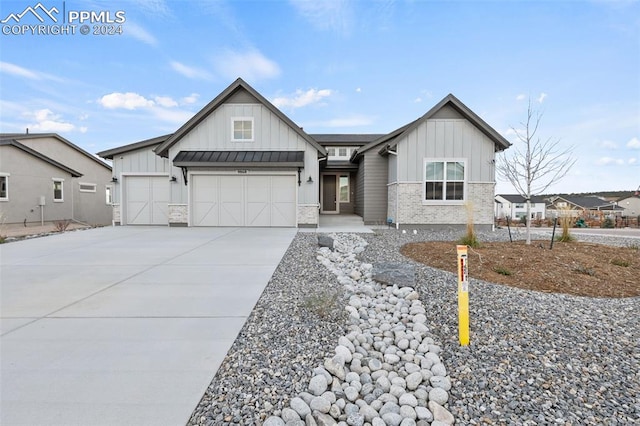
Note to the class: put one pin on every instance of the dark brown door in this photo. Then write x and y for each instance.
(329, 204)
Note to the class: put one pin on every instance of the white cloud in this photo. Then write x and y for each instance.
(542, 97)
(191, 99)
(521, 97)
(190, 72)
(634, 143)
(632, 161)
(139, 33)
(607, 161)
(127, 100)
(606, 144)
(301, 98)
(251, 65)
(333, 15)
(165, 101)
(157, 8)
(358, 89)
(44, 120)
(18, 71)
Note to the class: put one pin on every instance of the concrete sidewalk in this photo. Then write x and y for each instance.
(125, 325)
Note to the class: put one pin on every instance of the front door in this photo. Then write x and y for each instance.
(329, 195)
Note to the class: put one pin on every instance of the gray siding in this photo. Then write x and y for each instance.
(359, 187)
(30, 178)
(375, 188)
(393, 168)
(446, 138)
(88, 207)
(270, 133)
(143, 161)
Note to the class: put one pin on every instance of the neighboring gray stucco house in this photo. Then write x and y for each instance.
(46, 177)
(241, 162)
(630, 204)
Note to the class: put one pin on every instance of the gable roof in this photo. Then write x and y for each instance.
(517, 198)
(239, 84)
(19, 136)
(500, 142)
(110, 153)
(588, 203)
(6, 141)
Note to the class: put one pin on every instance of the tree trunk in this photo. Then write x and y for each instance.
(528, 221)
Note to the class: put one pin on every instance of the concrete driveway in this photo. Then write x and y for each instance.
(125, 325)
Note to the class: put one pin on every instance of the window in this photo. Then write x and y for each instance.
(87, 187)
(519, 206)
(4, 187)
(108, 194)
(331, 152)
(57, 190)
(444, 180)
(339, 153)
(242, 129)
(344, 189)
(342, 152)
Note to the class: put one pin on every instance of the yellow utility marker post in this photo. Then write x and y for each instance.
(463, 296)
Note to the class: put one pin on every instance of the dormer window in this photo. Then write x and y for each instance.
(340, 153)
(242, 129)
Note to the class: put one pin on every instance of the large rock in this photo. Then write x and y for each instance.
(401, 274)
(324, 241)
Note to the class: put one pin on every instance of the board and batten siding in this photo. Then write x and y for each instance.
(446, 138)
(359, 207)
(375, 187)
(270, 134)
(141, 161)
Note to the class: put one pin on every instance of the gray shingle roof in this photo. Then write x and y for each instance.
(110, 153)
(345, 139)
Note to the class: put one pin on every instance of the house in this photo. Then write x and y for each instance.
(45, 177)
(241, 162)
(630, 205)
(585, 206)
(515, 206)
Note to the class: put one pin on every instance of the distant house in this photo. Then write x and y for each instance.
(46, 177)
(582, 206)
(241, 162)
(630, 205)
(514, 206)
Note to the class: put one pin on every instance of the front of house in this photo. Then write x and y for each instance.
(241, 162)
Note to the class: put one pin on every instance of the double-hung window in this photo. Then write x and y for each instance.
(444, 180)
(242, 129)
(58, 185)
(4, 187)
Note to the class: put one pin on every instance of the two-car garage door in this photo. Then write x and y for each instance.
(248, 200)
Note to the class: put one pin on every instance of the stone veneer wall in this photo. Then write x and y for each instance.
(308, 215)
(411, 211)
(116, 214)
(178, 214)
(392, 190)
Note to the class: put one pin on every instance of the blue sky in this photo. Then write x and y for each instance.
(339, 67)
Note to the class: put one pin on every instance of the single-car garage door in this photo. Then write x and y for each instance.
(230, 200)
(146, 200)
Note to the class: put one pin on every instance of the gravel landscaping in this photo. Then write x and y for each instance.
(534, 358)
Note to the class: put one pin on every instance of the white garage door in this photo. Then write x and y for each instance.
(146, 200)
(219, 200)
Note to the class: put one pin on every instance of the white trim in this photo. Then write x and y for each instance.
(108, 191)
(253, 129)
(348, 176)
(444, 160)
(61, 199)
(95, 187)
(6, 185)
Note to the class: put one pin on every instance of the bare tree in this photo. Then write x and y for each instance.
(533, 164)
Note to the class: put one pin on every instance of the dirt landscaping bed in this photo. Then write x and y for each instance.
(575, 268)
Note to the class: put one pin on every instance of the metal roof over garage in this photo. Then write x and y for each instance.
(239, 159)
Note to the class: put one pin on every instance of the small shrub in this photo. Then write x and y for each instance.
(61, 225)
(502, 271)
(3, 239)
(323, 303)
(470, 238)
(584, 270)
(620, 262)
(607, 223)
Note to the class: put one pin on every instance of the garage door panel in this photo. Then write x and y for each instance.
(283, 201)
(258, 198)
(205, 203)
(231, 201)
(146, 200)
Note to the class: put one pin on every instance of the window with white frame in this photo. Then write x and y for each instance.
(444, 180)
(58, 185)
(242, 129)
(4, 187)
(343, 190)
(87, 187)
(339, 153)
(108, 191)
